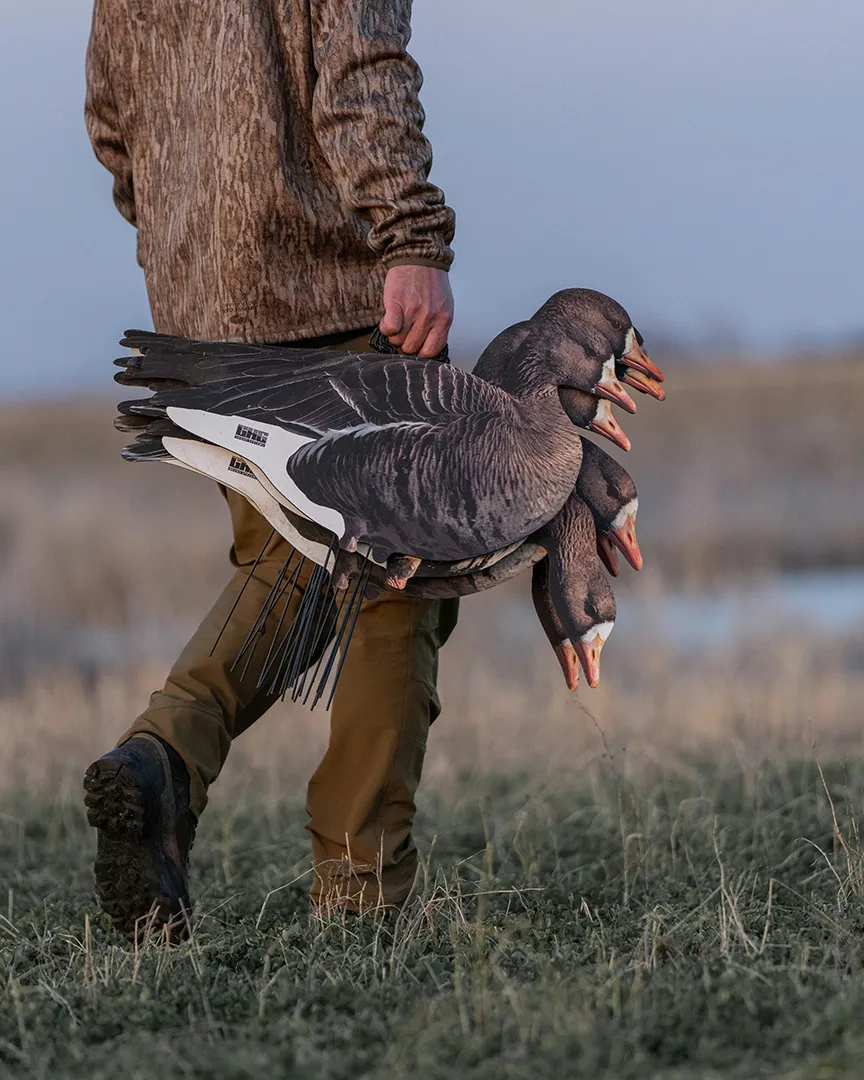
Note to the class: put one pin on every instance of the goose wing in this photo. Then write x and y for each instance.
(311, 392)
(417, 391)
(267, 383)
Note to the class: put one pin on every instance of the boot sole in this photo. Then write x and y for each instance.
(129, 853)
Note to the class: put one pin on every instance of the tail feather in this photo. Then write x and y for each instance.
(156, 427)
(149, 432)
(145, 448)
(146, 341)
(162, 361)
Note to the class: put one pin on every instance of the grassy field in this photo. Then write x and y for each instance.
(650, 880)
(706, 924)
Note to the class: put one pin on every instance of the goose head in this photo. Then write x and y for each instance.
(593, 414)
(571, 592)
(551, 355)
(609, 492)
(578, 357)
(499, 362)
(589, 308)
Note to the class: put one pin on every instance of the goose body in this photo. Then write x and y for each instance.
(401, 455)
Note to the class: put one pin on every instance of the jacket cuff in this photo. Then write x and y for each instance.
(441, 263)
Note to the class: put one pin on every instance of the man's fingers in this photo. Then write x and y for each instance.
(392, 323)
(435, 341)
(417, 335)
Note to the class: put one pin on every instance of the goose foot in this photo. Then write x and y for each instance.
(346, 568)
(400, 568)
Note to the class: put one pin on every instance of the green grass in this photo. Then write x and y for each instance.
(683, 928)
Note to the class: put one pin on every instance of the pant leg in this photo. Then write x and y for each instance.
(204, 703)
(361, 798)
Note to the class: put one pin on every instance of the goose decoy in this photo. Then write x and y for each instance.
(580, 314)
(571, 592)
(561, 551)
(212, 398)
(400, 455)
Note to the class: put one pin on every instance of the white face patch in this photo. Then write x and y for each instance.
(630, 340)
(604, 411)
(608, 370)
(603, 630)
(629, 510)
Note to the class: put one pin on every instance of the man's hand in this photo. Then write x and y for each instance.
(418, 309)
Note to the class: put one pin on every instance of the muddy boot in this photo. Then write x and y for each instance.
(138, 801)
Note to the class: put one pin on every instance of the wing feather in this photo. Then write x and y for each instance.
(417, 390)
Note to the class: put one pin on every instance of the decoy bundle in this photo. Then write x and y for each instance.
(391, 472)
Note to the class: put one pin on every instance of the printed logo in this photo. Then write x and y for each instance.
(238, 465)
(251, 435)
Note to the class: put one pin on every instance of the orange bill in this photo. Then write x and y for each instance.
(634, 356)
(643, 383)
(610, 388)
(604, 423)
(569, 662)
(589, 657)
(624, 538)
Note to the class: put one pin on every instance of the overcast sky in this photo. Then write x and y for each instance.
(701, 160)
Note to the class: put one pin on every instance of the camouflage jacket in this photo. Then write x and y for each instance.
(270, 154)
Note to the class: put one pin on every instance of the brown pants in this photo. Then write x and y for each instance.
(361, 798)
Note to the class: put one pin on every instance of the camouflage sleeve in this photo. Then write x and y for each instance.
(369, 124)
(102, 118)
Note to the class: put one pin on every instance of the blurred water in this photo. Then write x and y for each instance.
(828, 601)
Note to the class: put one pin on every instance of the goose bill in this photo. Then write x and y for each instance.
(610, 388)
(589, 651)
(569, 661)
(644, 383)
(604, 423)
(608, 553)
(633, 356)
(623, 536)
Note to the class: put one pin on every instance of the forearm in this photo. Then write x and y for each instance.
(369, 124)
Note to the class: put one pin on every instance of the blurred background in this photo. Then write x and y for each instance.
(701, 163)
